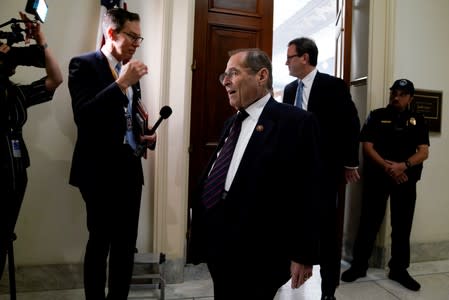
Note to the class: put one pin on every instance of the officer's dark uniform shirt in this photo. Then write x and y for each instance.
(14, 101)
(395, 136)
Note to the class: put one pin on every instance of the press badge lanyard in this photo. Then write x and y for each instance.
(128, 109)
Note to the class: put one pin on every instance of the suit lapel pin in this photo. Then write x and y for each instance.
(259, 128)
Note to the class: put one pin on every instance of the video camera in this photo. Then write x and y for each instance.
(15, 36)
(38, 8)
(25, 56)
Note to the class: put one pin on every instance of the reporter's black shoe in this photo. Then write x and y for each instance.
(352, 274)
(327, 297)
(404, 279)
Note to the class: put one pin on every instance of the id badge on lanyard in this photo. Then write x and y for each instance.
(16, 151)
(129, 124)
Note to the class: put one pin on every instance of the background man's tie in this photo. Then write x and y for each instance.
(214, 185)
(299, 92)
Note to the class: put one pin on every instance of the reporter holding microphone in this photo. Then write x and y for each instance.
(104, 87)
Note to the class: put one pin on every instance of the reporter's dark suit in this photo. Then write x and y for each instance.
(267, 217)
(331, 102)
(107, 173)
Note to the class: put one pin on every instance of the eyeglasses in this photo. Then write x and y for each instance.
(230, 74)
(134, 38)
(289, 57)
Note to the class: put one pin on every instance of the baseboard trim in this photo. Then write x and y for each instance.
(419, 252)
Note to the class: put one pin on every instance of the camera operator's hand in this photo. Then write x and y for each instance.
(4, 48)
(131, 73)
(32, 30)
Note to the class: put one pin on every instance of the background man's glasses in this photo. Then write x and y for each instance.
(289, 57)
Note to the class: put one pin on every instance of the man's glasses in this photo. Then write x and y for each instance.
(231, 74)
(134, 38)
(289, 57)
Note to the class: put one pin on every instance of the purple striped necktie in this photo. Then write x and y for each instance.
(214, 184)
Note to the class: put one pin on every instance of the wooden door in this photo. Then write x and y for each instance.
(220, 26)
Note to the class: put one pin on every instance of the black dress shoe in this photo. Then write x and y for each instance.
(404, 279)
(352, 274)
(327, 297)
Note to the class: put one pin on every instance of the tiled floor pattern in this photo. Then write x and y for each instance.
(433, 276)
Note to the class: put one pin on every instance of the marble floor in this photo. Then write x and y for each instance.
(433, 276)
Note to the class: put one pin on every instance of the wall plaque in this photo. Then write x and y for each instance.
(428, 103)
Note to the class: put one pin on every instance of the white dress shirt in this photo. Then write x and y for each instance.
(308, 81)
(254, 111)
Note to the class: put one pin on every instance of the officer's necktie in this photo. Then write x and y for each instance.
(129, 131)
(214, 185)
(299, 92)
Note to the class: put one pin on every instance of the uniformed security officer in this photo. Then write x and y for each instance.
(395, 143)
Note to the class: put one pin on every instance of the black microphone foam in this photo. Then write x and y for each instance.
(165, 112)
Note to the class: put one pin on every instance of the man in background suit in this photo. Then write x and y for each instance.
(249, 235)
(105, 167)
(328, 98)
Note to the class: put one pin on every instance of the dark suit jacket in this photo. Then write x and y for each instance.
(268, 214)
(331, 102)
(98, 108)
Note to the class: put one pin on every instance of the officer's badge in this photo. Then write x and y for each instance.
(412, 121)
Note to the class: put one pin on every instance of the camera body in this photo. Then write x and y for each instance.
(15, 36)
(33, 55)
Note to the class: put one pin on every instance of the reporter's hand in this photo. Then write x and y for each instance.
(149, 139)
(131, 73)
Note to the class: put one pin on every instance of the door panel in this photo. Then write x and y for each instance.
(249, 6)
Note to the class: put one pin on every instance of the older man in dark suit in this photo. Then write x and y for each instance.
(105, 167)
(328, 98)
(245, 218)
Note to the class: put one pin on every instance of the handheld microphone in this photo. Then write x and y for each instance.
(164, 113)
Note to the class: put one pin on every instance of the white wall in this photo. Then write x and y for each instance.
(421, 47)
